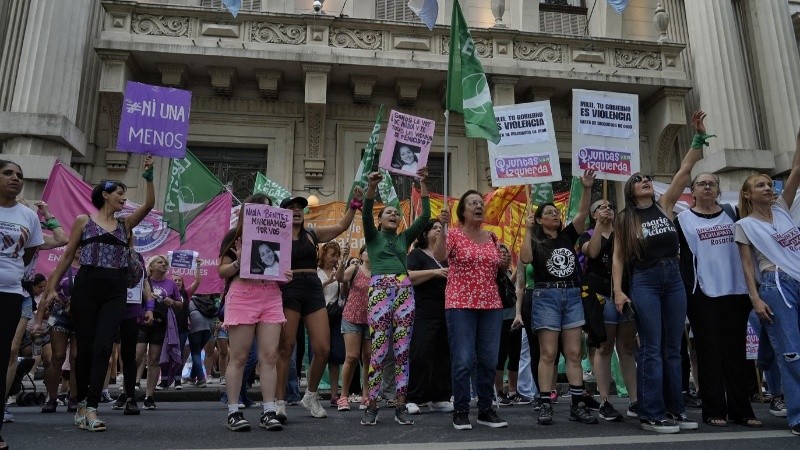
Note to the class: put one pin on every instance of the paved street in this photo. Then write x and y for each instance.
(200, 425)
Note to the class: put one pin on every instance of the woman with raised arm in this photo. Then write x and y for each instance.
(646, 248)
(769, 243)
(391, 297)
(557, 306)
(99, 294)
(303, 299)
(22, 236)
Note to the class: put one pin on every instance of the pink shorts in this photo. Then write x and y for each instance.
(251, 302)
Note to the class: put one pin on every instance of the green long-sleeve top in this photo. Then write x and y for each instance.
(383, 259)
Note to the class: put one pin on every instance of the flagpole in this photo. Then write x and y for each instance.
(446, 155)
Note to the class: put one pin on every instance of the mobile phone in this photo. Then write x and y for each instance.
(627, 311)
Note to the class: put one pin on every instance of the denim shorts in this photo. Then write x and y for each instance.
(557, 309)
(355, 328)
(610, 314)
(27, 308)
(222, 333)
(62, 323)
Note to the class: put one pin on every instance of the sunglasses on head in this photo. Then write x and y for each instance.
(639, 178)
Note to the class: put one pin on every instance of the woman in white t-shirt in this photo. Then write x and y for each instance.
(327, 265)
(20, 237)
(769, 242)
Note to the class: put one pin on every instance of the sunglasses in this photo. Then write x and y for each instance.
(640, 178)
(603, 207)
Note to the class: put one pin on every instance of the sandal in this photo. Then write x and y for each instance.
(80, 419)
(717, 422)
(94, 424)
(750, 422)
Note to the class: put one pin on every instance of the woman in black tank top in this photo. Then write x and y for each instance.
(646, 249)
(303, 299)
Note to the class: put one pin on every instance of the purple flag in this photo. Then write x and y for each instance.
(154, 120)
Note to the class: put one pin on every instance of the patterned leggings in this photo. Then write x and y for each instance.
(391, 316)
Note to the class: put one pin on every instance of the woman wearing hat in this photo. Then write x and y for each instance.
(304, 299)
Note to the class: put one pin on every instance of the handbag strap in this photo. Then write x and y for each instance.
(350, 282)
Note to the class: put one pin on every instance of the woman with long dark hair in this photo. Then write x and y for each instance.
(429, 356)
(557, 306)
(355, 330)
(99, 294)
(22, 236)
(646, 248)
(768, 237)
(253, 309)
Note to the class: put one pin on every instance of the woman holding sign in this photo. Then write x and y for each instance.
(253, 308)
(99, 293)
(646, 249)
(769, 236)
(391, 297)
(304, 299)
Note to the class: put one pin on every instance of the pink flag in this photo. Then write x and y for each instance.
(68, 197)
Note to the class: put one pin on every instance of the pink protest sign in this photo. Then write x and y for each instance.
(266, 242)
(407, 144)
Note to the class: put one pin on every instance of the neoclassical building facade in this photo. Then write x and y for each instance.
(293, 92)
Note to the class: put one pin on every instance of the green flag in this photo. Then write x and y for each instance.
(575, 193)
(191, 186)
(274, 191)
(467, 88)
(362, 173)
(386, 190)
(541, 193)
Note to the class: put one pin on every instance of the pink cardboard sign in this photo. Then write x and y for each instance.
(266, 242)
(407, 144)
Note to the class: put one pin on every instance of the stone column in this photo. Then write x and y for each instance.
(503, 90)
(316, 83)
(47, 88)
(721, 81)
(776, 64)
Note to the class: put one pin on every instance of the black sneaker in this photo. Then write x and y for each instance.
(691, 400)
(633, 409)
(489, 418)
(461, 420)
(519, 399)
(777, 407)
(683, 421)
(178, 384)
(546, 414)
(131, 408)
(580, 413)
(105, 398)
(504, 400)
(796, 430)
(402, 416)
(269, 420)
(660, 426)
(237, 422)
(163, 385)
(590, 402)
(370, 416)
(609, 413)
(119, 403)
(537, 404)
(149, 403)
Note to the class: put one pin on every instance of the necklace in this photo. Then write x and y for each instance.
(430, 255)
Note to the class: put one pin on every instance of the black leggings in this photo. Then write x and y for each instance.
(97, 305)
(128, 332)
(510, 347)
(10, 313)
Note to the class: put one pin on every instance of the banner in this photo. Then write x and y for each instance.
(467, 89)
(190, 187)
(751, 346)
(527, 151)
(605, 134)
(154, 120)
(407, 143)
(274, 191)
(266, 242)
(68, 197)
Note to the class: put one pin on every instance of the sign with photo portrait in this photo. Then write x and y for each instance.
(266, 242)
(407, 143)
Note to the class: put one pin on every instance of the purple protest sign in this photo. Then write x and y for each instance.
(154, 120)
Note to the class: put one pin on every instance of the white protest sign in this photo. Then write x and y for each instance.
(605, 134)
(266, 242)
(527, 152)
(407, 143)
(183, 259)
(135, 293)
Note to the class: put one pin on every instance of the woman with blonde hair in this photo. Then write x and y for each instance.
(769, 244)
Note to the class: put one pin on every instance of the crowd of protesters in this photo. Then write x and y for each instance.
(423, 317)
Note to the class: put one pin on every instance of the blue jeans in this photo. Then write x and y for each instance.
(784, 334)
(197, 341)
(766, 357)
(474, 338)
(659, 299)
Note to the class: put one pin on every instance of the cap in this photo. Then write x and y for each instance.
(300, 200)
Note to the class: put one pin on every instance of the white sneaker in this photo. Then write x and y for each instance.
(412, 408)
(222, 381)
(442, 406)
(311, 403)
(280, 411)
